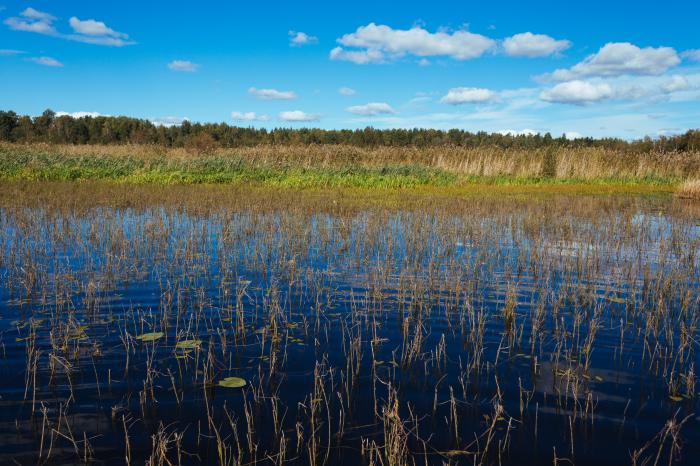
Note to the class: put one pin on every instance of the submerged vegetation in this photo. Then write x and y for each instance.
(234, 326)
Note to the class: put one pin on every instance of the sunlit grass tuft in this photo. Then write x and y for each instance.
(689, 190)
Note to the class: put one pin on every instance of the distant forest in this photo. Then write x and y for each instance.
(50, 128)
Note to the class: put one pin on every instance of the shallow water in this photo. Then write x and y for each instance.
(483, 330)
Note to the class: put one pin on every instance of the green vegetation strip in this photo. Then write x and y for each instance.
(45, 166)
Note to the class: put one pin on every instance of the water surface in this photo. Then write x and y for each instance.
(482, 330)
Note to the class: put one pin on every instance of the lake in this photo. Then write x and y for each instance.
(222, 325)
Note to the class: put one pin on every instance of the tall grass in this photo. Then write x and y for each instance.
(689, 190)
(337, 166)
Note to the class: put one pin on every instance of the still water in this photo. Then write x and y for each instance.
(482, 330)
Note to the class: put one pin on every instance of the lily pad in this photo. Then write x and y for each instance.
(616, 299)
(232, 382)
(153, 336)
(675, 398)
(188, 344)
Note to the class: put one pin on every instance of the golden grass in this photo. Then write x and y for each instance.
(689, 190)
(488, 161)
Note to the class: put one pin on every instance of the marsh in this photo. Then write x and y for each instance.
(226, 325)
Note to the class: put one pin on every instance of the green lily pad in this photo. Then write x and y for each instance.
(232, 382)
(188, 344)
(153, 336)
(615, 299)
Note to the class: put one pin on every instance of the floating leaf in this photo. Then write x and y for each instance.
(615, 299)
(188, 344)
(675, 398)
(153, 336)
(232, 382)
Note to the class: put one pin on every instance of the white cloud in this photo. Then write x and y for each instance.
(271, 94)
(522, 132)
(577, 92)
(183, 65)
(80, 114)
(298, 38)
(298, 115)
(372, 108)
(692, 55)
(46, 61)
(467, 95)
(377, 43)
(633, 88)
(621, 58)
(347, 91)
(677, 83)
(9, 52)
(32, 20)
(528, 44)
(169, 121)
(571, 135)
(90, 27)
(87, 31)
(31, 13)
(360, 57)
(248, 116)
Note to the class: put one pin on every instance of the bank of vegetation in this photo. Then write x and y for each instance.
(121, 149)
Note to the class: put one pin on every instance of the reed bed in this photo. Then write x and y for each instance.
(223, 325)
(339, 165)
(689, 190)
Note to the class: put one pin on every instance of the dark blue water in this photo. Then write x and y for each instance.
(507, 331)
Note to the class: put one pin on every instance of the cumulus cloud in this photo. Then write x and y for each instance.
(298, 38)
(621, 58)
(298, 116)
(360, 57)
(169, 121)
(183, 65)
(377, 43)
(467, 95)
(271, 94)
(677, 83)
(90, 27)
(31, 13)
(521, 132)
(80, 114)
(372, 108)
(31, 20)
(248, 116)
(46, 61)
(692, 55)
(528, 44)
(347, 91)
(571, 135)
(638, 88)
(577, 92)
(89, 31)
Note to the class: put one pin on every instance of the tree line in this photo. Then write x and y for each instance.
(65, 129)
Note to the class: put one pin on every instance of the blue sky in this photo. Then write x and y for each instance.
(621, 69)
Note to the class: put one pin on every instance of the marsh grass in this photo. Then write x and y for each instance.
(319, 166)
(408, 329)
(689, 190)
